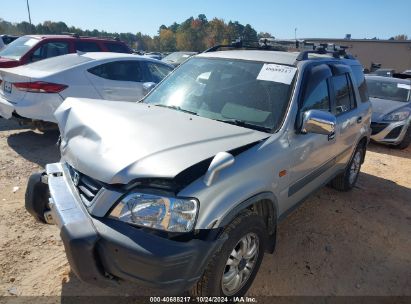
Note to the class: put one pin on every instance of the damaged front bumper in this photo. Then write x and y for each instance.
(100, 249)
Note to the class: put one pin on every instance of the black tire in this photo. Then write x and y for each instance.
(210, 283)
(343, 182)
(406, 141)
(36, 197)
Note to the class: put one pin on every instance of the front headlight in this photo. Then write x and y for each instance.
(397, 116)
(158, 212)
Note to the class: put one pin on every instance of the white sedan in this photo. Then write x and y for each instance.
(35, 91)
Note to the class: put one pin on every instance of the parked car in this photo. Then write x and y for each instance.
(177, 58)
(31, 48)
(185, 189)
(391, 102)
(384, 72)
(6, 39)
(154, 55)
(34, 91)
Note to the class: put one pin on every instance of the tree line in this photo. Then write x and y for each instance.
(194, 34)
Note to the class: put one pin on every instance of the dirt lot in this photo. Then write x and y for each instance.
(355, 243)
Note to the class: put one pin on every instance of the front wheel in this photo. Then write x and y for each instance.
(406, 141)
(233, 268)
(347, 180)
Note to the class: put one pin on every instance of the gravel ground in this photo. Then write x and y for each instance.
(355, 243)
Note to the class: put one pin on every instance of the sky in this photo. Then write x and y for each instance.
(312, 18)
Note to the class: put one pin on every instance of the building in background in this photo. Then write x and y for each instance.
(394, 54)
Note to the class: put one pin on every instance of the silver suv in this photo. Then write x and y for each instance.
(184, 190)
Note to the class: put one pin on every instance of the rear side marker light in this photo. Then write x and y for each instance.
(40, 87)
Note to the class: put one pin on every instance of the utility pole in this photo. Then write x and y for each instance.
(295, 32)
(28, 10)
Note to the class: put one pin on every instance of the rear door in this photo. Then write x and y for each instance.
(119, 80)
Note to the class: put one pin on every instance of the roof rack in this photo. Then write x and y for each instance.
(272, 44)
(76, 35)
(323, 49)
(248, 45)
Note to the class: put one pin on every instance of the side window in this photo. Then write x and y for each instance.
(344, 99)
(116, 48)
(120, 71)
(319, 99)
(360, 82)
(50, 49)
(86, 46)
(158, 71)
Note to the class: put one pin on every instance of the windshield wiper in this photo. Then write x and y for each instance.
(178, 108)
(243, 123)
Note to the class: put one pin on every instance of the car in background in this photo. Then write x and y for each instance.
(407, 72)
(32, 48)
(154, 55)
(6, 39)
(34, 91)
(177, 58)
(391, 103)
(384, 72)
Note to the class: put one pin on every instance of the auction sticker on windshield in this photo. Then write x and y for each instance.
(277, 73)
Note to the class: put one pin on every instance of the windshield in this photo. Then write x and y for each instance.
(389, 90)
(18, 47)
(226, 90)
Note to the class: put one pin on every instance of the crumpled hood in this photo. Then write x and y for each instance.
(382, 107)
(116, 142)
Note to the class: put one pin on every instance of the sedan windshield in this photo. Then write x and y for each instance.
(225, 90)
(18, 47)
(390, 90)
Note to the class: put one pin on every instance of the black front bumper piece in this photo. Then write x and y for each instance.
(99, 249)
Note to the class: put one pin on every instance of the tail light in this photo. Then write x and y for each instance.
(40, 87)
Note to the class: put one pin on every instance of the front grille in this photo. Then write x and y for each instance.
(394, 133)
(377, 127)
(86, 186)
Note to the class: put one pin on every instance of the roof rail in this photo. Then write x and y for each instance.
(322, 49)
(249, 45)
(76, 35)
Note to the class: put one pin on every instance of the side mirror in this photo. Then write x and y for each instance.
(148, 86)
(318, 122)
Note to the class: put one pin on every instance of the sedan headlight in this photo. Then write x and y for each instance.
(397, 116)
(158, 212)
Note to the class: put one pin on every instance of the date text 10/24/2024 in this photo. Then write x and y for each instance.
(202, 300)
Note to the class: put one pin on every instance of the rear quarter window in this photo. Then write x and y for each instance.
(360, 82)
(86, 46)
(116, 47)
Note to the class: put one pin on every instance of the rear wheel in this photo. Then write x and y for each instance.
(347, 180)
(233, 268)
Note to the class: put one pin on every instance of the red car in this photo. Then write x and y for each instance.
(33, 48)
